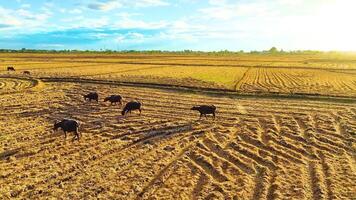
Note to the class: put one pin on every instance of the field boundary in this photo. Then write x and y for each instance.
(197, 65)
(209, 91)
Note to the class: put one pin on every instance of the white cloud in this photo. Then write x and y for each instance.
(100, 35)
(127, 23)
(135, 36)
(73, 20)
(127, 14)
(23, 20)
(7, 19)
(93, 22)
(218, 2)
(131, 37)
(26, 6)
(183, 30)
(114, 4)
(50, 45)
(147, 3)
(105, 6)
(222, 10)
(75, 11)
(49, 4)
(119, 38)
(221, 13)
(31, 16)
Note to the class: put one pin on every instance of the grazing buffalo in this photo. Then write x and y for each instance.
(91, 96)
(68, 125)
(27, 72)
(205, 109)
(10, 68)
(113, 99)
(130, 106)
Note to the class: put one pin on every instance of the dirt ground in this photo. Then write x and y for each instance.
(256, 148)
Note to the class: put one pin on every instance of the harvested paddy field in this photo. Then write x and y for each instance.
(258, 147)
(252, 74)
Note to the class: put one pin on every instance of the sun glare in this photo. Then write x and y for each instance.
(333, 25)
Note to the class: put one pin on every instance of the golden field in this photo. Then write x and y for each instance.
(267, 141)
(281, 74)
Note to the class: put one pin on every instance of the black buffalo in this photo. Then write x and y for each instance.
(91, 96)
(114, 99)
(205, 109)
(27, 72)
(68, 125)
(130, 106)
(10, 68)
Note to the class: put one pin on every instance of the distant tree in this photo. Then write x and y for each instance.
(273, 50)
(255, 52)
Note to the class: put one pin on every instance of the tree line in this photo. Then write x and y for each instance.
(273, 51)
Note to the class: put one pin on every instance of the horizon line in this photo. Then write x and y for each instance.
(276, 51)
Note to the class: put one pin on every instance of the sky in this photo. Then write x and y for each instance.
(205, 25)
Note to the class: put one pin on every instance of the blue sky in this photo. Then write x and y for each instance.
(177, 25)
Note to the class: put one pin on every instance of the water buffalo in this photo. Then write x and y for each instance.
(68, 125)
(205, 109)
(132, 105)
(113, 99)
(10, 68)
(27, 72)
(91, 96)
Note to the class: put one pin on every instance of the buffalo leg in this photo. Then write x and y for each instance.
(77, 135)
(65, 134)
(140, 110)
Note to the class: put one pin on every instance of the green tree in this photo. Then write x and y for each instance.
(273, 50)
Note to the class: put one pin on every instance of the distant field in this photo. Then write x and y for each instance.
(285, 74)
